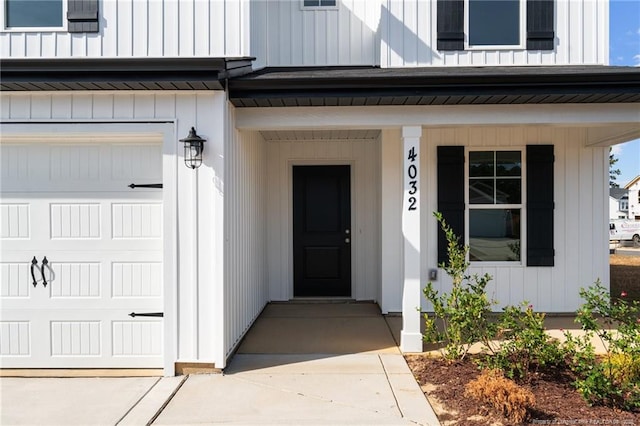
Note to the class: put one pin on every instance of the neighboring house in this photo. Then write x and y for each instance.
(633, 195)
(618, 203)
(334, 129)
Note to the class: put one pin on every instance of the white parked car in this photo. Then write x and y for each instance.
(625, 230)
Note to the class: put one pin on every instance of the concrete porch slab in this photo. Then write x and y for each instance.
(319, 328)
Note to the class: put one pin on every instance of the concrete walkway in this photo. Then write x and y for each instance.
(307, 364)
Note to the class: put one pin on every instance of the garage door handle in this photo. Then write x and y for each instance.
(34, 264)
(45, 262)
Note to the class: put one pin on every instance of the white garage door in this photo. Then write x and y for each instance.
(69, 202)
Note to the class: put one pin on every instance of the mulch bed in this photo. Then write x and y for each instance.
(556, 401)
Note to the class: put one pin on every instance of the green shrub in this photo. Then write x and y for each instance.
(525, 345)
(464, 313)
(625, 370)
(612, 379)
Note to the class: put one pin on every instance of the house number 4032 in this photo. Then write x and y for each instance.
(412, 172)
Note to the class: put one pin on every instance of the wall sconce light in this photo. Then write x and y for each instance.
(193, 147)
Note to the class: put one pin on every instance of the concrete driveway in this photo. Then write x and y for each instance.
(300, 364)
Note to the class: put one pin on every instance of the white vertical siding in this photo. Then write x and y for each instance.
(364, 158)
(283, 33)
(141, 28)
(389, 33)
(246, 291)
(403, 33)
(410, 34)
(199, 197)
(581, 248)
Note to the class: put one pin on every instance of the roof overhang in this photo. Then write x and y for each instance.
(364, 86)
(29, 74)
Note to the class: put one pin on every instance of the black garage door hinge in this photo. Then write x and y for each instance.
(146, 314)
(145, 185)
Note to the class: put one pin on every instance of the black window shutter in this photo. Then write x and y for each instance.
(450, 25)
(450, 194)
(82, 16)
(540, 251)
(540, 20)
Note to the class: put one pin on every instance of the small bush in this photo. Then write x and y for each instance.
(526, 346)
(625, 370)
(503, 395)
(464, 312)
(612, 379)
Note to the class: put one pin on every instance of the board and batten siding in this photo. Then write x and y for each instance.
(199, 215)
(581, 216)
(139, 28)
(364, 158)
(402, 33)
(283, 33)
(409, 38)
(246, 290)
(388, 33)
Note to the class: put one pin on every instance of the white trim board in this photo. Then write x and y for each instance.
(374, 117)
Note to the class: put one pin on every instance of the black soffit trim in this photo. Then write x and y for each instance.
(327, 86)
(435, 85)
(27, 74)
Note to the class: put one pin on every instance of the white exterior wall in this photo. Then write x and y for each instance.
(199, 215)
(403, 33)
(410, 38)
(580, 193)
(580, 186)
(245, 284)
(135, 28)
(389, 33)
(283, 33)
(634, 200)
(614, 209)
(363, 156)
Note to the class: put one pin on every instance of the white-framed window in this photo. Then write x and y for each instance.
(495, 24)
(495, 199)
(33, 15)
(624, 203)
(318, 4)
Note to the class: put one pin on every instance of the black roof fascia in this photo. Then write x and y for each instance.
(31, 74)
(435, 85)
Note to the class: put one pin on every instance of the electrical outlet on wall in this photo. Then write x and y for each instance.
(433, 274)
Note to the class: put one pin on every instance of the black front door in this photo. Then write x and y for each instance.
(321, 231)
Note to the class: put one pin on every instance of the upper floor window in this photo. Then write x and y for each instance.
(33, 13)
(491, 24)
(74, 16)
(494, 22)
(319, 3)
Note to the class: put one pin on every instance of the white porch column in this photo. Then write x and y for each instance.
(410, 337)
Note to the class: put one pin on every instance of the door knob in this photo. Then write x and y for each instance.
(347, 231)
(347, 240)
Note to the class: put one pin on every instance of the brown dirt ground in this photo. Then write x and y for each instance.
(625, 275)
(556, 400)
